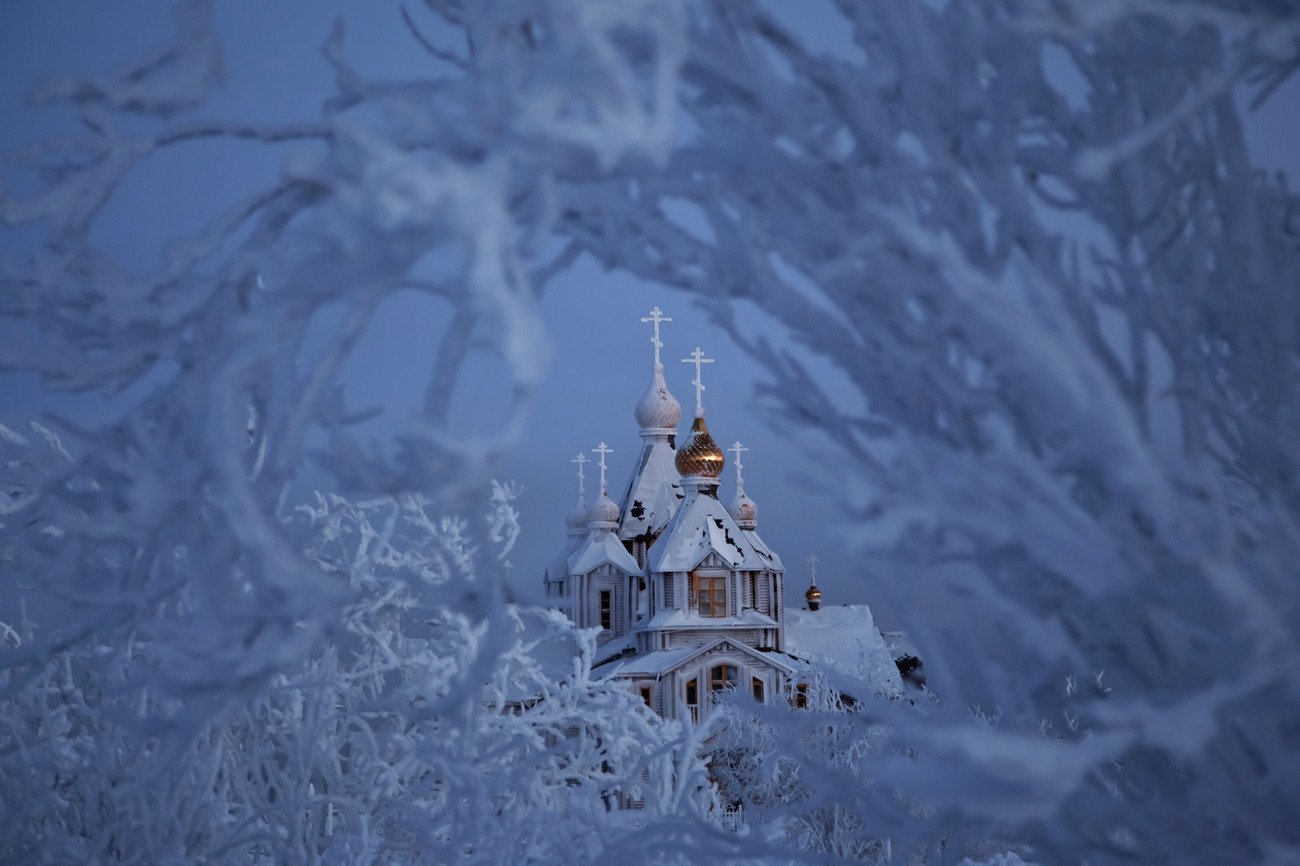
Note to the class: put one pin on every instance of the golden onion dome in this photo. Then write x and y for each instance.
(813, 593)
(699, 454)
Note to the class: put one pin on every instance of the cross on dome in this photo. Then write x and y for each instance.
(656, 316)
(812, 566)
(738, 449)
(602, 449)
(697, 358)
(581, 459)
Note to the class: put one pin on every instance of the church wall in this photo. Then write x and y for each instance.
(615, 582)
(700, 637)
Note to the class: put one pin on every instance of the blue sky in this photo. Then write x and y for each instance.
(602, 354)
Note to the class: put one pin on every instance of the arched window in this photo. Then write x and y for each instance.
(722, 677)
(758, 690)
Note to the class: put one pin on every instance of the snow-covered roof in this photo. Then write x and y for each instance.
(765, 553)
(609, 649)
(703, 525)
(653, 493)
(558, 568)
(598, 548)
(844, 639)
(678, 618)
(661, 662)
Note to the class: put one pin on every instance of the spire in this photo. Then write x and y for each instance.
(697, 358)
(604, 513)
(699, 456)
(814, 595)
(743, 509)
(577, 519)
(602, 449)
(658, 411)
(656, 316)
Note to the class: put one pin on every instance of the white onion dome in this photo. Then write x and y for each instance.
(744, 511)
(699, 454)
(604, 513)
(657, 408)
(577, 519)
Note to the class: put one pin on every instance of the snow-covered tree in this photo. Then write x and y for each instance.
(1029, 236)
(408, 736)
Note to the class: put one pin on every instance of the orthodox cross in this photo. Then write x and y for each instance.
(656, 316)
(582, 476)
(812, 567)
(602, 449)
(738, 449)
(697, 358)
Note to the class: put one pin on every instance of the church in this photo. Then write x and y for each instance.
(688, 598)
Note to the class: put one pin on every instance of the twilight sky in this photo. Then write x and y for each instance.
(601, 351)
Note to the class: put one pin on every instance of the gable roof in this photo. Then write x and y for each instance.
(652, 494)
(558, 568)
(703, 525)
(661, 662)
(600, 547)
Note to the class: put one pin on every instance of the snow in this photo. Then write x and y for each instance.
(661, 662)
(599, 548)
(678, 618)
(703, 525)
(654, 491)
(844, 639)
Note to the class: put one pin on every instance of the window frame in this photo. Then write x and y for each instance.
(730, 676)
(714, 588)
(607, 609)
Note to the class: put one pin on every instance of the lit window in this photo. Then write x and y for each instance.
(801, 696)
(606, 608)
(711, 596)
(721, 677)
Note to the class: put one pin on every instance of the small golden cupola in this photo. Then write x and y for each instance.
(699, 456)
(814, 595)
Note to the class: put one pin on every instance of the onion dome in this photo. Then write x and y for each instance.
(813, 596)
(744, 511)
(604, 513)
(699, 454)
(577, 519)
(658, 409)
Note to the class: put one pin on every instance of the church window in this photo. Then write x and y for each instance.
(722, 677)
(668, 590)
(711, 596)
(645, 695)
(693, 699)
(758, 690)
(606, 608)
(753, 591)
(801, 696)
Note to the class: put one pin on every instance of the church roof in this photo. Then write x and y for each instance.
(677, 618)
(653, 493)
(703, 525)
(558, 569)
(598, 548)
(844, 639)
(661, 662)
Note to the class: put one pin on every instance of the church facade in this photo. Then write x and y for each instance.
(688, 598)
